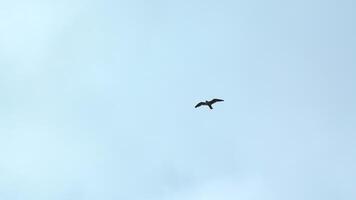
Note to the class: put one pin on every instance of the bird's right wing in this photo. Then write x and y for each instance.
(215, 100)
(200, 104)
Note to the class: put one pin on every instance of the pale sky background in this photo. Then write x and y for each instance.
(97, 100)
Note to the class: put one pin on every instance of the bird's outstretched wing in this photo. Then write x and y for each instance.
(200, 104)
(215, 100)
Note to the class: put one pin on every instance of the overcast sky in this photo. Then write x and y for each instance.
(97, 100)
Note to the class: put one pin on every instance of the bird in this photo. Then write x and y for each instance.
(208, 103)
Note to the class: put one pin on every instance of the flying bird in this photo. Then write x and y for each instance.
(208, 103)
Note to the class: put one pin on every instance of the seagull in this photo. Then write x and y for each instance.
(208, 103)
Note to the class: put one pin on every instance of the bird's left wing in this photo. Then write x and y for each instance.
(200, 104)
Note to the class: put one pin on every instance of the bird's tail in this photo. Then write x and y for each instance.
(211, 107)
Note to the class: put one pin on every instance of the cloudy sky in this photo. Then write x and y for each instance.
(97, 100)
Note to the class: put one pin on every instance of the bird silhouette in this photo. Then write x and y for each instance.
(208, 103)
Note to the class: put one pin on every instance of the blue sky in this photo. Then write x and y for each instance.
(97, 100)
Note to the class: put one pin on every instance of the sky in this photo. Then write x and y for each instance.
(97, 100)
